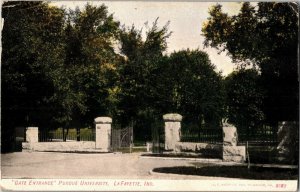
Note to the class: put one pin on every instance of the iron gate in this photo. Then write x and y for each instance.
(158, 136)
(121, 137)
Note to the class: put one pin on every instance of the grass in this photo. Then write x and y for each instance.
(264, 154)
(139, 143)
(237, 171)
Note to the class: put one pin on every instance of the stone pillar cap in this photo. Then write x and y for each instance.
(107, 120)
(172, 117)
(226, 124)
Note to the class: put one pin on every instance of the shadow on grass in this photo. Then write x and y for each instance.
(182, 155)
(242, 172)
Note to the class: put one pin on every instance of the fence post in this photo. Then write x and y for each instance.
(232, 152)
(172, 130)
(32, 136)
(103, 133)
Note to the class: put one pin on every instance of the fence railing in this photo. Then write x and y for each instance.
(258, 135)
(195, 133)
(57, 135)
(263, 134)
(121, 137)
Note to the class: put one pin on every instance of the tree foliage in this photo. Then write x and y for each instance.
(139, 74)
(195, 90)
(63, 68)
(153, 84)
(90, 58)
(142, 61)
(244, 99)
(55, 65)
(30, 30)
(265, 36)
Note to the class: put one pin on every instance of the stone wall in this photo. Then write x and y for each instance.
(74, 146)
(102, 143)
(204, 148)
(234, 153)
(229, 151)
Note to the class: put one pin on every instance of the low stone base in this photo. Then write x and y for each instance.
(234, 153)
(287, 155)
(205, 148)
(77, 146)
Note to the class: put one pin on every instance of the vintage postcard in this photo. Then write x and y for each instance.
(149, 96)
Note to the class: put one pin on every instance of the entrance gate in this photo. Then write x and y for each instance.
(121, 137)
(158, 136)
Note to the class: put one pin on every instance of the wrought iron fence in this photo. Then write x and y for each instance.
(121, 137)
(263, 135)
(194, 133)
(86, 134)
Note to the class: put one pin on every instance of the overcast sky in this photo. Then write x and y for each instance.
(186, 19)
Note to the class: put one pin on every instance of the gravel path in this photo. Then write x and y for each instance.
(74, 165)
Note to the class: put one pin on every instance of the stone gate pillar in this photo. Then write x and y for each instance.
(32, 137)
(172, 130)
(232, 152)
(103, 133)
(32, 134)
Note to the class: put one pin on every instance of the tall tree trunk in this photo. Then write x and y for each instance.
(199, 122)
(66, 134)
(63, 132)
(78, 133)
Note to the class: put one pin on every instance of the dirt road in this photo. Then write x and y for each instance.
(74, 165)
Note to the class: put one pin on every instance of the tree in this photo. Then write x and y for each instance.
(30, 30)
(139, 75)
(139, 72)
(264, 36)
(244, 99)
(58, 67)
(90, 57)
(194, 89)
(85, 83)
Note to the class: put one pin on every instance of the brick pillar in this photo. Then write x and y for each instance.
(232, 152)
(103, 133)
(172, 130)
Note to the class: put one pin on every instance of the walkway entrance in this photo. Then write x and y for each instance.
(158, 136)
(121, 137)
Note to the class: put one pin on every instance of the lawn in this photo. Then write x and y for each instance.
(183, 155)
(233, 171)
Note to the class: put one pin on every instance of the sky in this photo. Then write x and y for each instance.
(186, 20)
